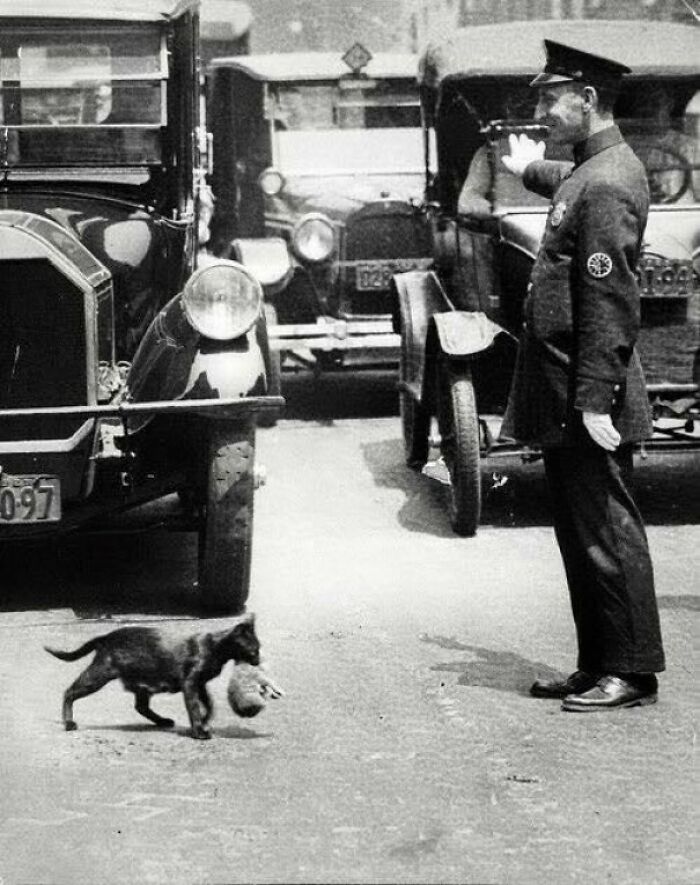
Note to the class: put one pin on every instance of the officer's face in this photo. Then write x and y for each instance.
(560, 107)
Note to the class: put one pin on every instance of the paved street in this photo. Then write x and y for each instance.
(406, 748)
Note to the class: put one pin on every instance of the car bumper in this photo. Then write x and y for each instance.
(327, 335)
(223, 408)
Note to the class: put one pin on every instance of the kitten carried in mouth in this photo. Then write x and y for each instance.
(148, 662)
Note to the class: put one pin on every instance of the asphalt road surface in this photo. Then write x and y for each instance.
(406, 748)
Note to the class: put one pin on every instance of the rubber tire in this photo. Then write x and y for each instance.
(226, 529)
(269, 417)
(415, 420)
(415, 426)
(458, 422)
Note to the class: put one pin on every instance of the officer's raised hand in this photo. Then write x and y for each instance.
(601, 430)
(523, 151)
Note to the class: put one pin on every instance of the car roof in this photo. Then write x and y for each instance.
(114, 10)
(516, 48)
(297, 66)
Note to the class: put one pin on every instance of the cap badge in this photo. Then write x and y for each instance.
(558, 214)
(599, 265)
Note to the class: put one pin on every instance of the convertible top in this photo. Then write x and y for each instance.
(115, 10)
(516, 48)
(299, 66)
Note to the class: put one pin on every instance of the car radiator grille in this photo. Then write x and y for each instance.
(42, 349)
(389, 236)
(669, 340)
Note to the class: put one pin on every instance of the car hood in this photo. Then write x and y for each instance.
(672, 232)
(118, 234)
(340, 196)
(126, 239)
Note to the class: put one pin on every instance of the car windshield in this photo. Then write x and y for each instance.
(661, 122)
(94, 97)
(347, 127)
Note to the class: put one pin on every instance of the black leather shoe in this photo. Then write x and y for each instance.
(577, 683)
(611, 692)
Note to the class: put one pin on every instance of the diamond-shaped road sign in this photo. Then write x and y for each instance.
(357, 57)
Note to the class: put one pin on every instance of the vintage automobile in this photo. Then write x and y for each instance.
(126, 372)
(318, 177)
(459, 320)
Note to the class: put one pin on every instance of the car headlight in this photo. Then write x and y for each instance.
(222, 300)
(313, 238)
(271, 181)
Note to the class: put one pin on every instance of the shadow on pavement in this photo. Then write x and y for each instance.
(236, 732)
(667, 489)
(502, 670)
(143, 573)
(679, 603)
(137, 727)
(338, 395)
(423, 509)
(228, 732)
(514, 494)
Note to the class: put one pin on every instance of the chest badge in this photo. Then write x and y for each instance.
(599, 265)
(558, 214)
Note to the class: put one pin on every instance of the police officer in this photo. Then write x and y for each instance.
(578, 390)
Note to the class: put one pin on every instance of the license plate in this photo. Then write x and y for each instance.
(371, 276)
(26, 499)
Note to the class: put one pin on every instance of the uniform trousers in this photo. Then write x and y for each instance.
(604, 547)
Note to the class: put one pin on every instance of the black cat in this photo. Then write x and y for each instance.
(148, 662)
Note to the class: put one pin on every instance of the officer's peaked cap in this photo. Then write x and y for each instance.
(566, 64)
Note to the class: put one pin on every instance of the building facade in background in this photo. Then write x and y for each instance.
(327, 25)
(434, 19)
(400, 25)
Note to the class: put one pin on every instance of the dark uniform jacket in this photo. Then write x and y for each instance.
(582, 312)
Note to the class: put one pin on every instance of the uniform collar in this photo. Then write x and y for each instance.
(606, 138)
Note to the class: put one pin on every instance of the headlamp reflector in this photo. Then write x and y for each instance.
(222, 300)
(271, 181)
(313, 238)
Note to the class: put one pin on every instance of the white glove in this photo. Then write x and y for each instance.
(601, 430)
(523, 151)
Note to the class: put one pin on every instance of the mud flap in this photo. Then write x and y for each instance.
(418, 296)
(465, 333)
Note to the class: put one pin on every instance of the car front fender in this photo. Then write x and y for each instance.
(175, 362)
(268, 260)
(418, 296)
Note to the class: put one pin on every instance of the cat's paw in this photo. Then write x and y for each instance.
(201, 734)
(70, 725)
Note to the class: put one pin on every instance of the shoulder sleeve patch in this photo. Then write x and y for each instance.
(599, 265)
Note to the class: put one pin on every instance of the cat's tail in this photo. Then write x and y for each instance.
(89, 646)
